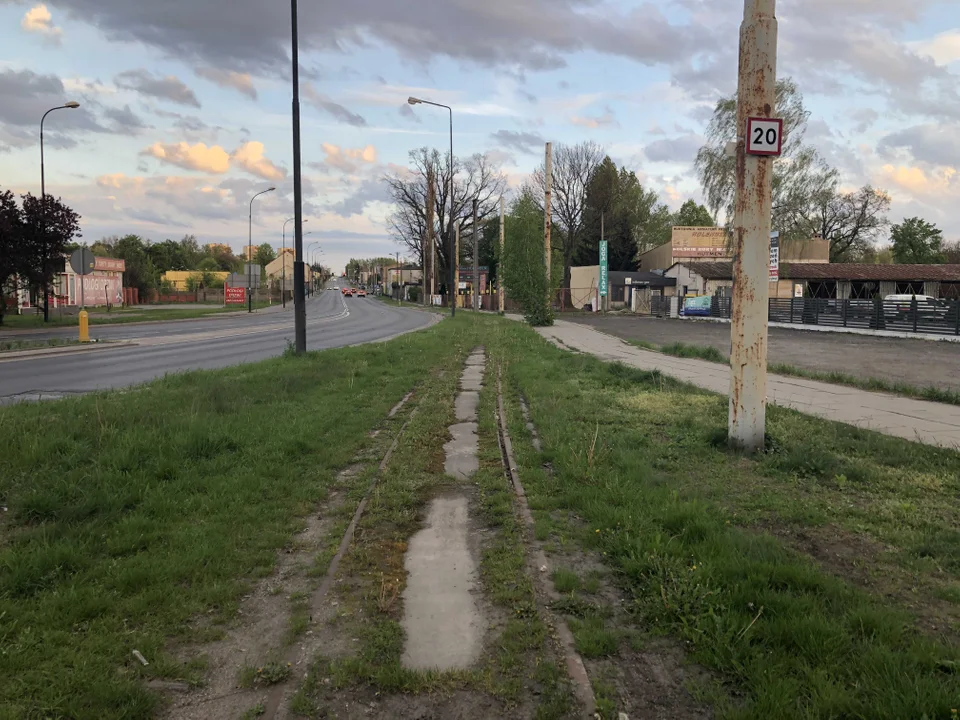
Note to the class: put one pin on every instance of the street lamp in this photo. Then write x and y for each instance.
(72, 105)
(250, 249)
(453, 260)
(283, 257)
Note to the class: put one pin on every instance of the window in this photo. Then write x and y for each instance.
(909, 288)
(864, 289)
(822, 289)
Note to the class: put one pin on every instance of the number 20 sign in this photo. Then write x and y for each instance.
(764, 136)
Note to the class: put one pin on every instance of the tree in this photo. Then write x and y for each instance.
(168, 255)
(917, 241)
(477, 177)
(208, 264)
(524, 272)
(692, 214)
(191, 252)
(223, 254)
(47, 228)
(573, 168)
(11, 248)
(951, 252)
(264, 254)
(807, 200)
(140, 272)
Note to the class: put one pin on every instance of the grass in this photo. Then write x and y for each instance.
(135, 512)
(817, 579)
(120, 316)
(804, 577)
(710, 353)
(13, 345)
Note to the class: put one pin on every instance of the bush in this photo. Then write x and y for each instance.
(524, 275)
(414, 294)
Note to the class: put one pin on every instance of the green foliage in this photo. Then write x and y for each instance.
(264, 254)
(208, 264)
(524, 273)
(692, 214)
(917, 241)
(140, 271)
(414, 293)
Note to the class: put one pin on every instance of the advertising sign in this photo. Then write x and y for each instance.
(109, 264)
(774, 257)
(604, 269)
(101, 289)
(235, 295)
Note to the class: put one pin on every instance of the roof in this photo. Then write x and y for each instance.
(838, 271)
(619, 277)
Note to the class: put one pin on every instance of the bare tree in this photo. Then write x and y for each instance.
(573, 166)
(478, 178)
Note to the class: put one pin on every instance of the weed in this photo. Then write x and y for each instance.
(565, 581)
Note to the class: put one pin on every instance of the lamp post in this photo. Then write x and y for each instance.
(308, 254)
(451, 290)
(299, 301)
(72, 105)
(283, 265)
(250, 249)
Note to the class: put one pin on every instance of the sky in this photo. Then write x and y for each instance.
(185, 104)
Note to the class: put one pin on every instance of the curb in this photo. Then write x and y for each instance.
(67, 350)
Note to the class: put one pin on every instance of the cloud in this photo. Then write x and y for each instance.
(250, 157)
(212, 159)
(682, 149)
(39, 20)
(335, 110)
(348, 159)
(407, 112)
(929, 143)
(525, 142)
(943, 49)
(604, 120)
(124, 120)
(370, 191)
(169, 88)
(922, 184)
(241, 82)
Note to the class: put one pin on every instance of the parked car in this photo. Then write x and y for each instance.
(899, 307)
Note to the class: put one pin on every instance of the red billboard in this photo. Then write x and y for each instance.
(235, 295)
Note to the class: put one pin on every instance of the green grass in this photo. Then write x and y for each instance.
(700, 538)
(13, 345)
(135, 512)
(121, 316)
(710, 353)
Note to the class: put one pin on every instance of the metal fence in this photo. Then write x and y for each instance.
(916, 315)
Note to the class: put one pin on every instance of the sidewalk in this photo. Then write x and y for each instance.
(917, 420)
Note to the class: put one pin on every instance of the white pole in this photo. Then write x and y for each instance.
(756, 97)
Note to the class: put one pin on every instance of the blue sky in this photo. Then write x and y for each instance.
(185, 103)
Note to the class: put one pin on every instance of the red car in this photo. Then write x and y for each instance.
(361, 293)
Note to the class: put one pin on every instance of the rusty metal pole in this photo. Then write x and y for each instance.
(547, 191)
(500, 266)
(756, 97)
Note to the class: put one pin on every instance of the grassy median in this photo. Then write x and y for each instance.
(819, 579)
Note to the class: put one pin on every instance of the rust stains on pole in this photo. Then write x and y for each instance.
(500, 266)
(756, 97)
(547, 190)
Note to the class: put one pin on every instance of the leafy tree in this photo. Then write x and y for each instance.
(524, 272)
(208, 264)
(917, 241)
(573, 168)
(807, 200)
(190, 251)
(12, 257)
(46, 230)
(264, 254)
(140, 272)
(951, 253)
(692, 214)
(167, 255)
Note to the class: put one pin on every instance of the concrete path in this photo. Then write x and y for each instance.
(918, 420)
(442, 620)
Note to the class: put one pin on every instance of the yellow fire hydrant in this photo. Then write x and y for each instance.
(84, 327)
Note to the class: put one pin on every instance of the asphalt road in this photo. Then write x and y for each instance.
(213, 342)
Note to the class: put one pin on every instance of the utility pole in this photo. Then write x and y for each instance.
(500, 266)
(476, 259)
(299, 299)
(431, 202)
(456, 265)
(399, 279)
(756, 98)
(547, 191)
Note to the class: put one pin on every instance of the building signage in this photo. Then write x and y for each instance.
(110, 264)
(774, 257)
(604, 269)
(700, 252)
(235, 295)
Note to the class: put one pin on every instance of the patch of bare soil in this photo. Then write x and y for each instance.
(866, 563)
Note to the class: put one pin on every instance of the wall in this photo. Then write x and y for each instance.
(660, 258)
(816, 250)
(702, 243)
(684, 276)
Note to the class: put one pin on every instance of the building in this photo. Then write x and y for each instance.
(282, 268)
(854, 281)
(104, 286)
(712, 244)
(622, 286)
(180, 279)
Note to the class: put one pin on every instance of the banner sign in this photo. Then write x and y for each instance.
(604, 269)
(235, 295)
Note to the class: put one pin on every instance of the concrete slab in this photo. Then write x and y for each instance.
(466, 405)
(461, 451)
(443, 622)
(475, 360)
(472, 374)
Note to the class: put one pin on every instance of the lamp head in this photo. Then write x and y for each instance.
(414, 101)
(73, 104)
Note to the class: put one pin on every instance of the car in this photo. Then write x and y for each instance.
(353, 291)
(345, 291)
(361, 293)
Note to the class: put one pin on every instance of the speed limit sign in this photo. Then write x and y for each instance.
(764, 136)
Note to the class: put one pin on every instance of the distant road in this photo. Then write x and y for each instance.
(213, 342)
